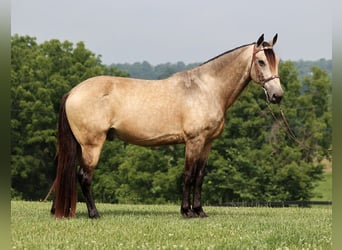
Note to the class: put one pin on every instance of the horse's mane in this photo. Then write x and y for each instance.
(268, 52)
(227, 52)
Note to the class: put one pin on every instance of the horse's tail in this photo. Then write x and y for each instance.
(66, 176)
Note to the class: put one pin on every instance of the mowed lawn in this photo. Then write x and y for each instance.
(162, 227)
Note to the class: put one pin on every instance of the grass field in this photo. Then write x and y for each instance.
(162, 227)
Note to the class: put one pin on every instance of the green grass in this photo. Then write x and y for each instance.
(162, 227)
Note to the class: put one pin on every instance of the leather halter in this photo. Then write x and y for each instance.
(260, 77)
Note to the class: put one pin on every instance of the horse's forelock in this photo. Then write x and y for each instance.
(269, 53)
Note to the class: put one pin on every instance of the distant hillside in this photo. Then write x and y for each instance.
(304, 67)
(145, 70)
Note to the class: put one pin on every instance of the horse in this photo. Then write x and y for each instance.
(188, 107)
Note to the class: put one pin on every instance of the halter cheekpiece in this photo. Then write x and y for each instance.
(261, 78)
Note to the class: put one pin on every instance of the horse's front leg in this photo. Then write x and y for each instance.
(199, 176)
(193, 149)
(188, 183)
(197, 201)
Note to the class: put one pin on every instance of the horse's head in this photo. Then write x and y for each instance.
(264, 69)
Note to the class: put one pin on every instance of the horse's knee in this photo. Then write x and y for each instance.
(188, 178)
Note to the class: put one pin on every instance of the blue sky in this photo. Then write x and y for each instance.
(178, 30)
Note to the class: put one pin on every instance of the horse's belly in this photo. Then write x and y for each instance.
(148, 134)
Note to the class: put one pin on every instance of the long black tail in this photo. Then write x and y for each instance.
(66, 176)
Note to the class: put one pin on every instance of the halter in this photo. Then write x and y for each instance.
(260, 77)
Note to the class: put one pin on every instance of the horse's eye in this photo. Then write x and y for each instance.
(261, 63)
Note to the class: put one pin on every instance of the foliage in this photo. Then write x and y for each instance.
(161, 227)
(40, 75)
(304, 67)
(135, 174)
(254, 159)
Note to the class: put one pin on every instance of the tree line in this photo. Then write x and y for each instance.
(145, 70)
(255, 159)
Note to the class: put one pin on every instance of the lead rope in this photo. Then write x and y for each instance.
(287, 125)
(50, 191)
(293, 136)
(268, 104)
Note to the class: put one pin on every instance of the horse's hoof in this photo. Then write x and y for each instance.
(188, 213)
(200, 212)
(94, 215)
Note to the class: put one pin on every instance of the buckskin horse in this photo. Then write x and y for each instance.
(188, 107)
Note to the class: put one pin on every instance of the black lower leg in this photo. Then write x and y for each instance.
(185, 207)
(53, 207)
(197, 200)
(193, 150)
(85, 179)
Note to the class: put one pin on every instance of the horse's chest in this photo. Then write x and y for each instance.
(209, 126)
(215, 128)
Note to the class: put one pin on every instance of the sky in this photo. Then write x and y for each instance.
(130, 31)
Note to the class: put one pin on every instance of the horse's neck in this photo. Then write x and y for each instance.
(229, 74)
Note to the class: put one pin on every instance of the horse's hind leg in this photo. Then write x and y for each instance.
(52, 188)
(90, 157)
(53, 207)
(85, 176)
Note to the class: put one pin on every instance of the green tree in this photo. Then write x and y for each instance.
(40, 75)
(133, 174)
(317, 96)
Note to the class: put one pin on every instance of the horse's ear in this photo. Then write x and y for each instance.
(260, 40)
(274, 40)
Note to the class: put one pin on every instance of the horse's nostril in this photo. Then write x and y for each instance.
(277, 98)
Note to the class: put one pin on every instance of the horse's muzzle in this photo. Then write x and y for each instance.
(276, 98)
(274, 92)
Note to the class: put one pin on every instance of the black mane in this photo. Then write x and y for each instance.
(224, 53)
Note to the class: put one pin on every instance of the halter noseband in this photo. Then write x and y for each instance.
(261, 78)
